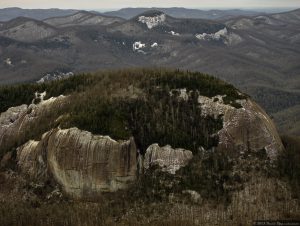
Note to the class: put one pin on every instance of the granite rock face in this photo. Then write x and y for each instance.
(250, 129)
(17, 122)
(85, 165)
(246, 129)
(168, 159)
(31, 160)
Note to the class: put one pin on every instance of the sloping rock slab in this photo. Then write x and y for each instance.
(85, 165)
(168, 159)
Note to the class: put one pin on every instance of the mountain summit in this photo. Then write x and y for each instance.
(139, 138)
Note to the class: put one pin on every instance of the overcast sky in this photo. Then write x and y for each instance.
(115, 4)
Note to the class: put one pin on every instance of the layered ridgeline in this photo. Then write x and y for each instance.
(148, 136)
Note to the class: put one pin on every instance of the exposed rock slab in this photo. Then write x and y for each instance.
(31, 160)
(168, 159)
(17, 122)
(153, 21)
(85, 165)
(213, 106)
(246, 129)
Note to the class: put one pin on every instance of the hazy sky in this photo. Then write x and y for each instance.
(114, 4)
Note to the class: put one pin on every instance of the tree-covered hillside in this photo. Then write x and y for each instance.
(141, 103)
(231, 176)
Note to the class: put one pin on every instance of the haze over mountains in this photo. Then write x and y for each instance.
(128, 13)
(39, 14)
(258, 53)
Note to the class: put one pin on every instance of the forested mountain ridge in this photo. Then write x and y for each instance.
(258, 54)
(41, 14)
(7, 14)
(128, 13)
(130, 139)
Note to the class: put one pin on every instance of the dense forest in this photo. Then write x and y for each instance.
(131, 103)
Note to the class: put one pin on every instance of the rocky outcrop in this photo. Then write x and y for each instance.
(168, 159)
(85, 165)
(246, 129)
(213, 106)
(250, 129)
(154, 21)
(11, 115)
(32, 161)
(17, 123)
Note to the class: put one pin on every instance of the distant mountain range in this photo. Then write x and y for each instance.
(39, 14)
(259, 54)
(128, 13)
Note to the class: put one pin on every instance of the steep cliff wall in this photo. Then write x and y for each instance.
(245, 129)
(19, 123)
(171, 117)
(85, 165)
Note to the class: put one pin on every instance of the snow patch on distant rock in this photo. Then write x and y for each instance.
(8, 62)
(228, 38)
(152, 22)
(174, 33)
(137, 46)
(154, 45)
(55, 76)
(214, 36)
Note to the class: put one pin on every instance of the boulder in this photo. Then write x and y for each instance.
(168, 159)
